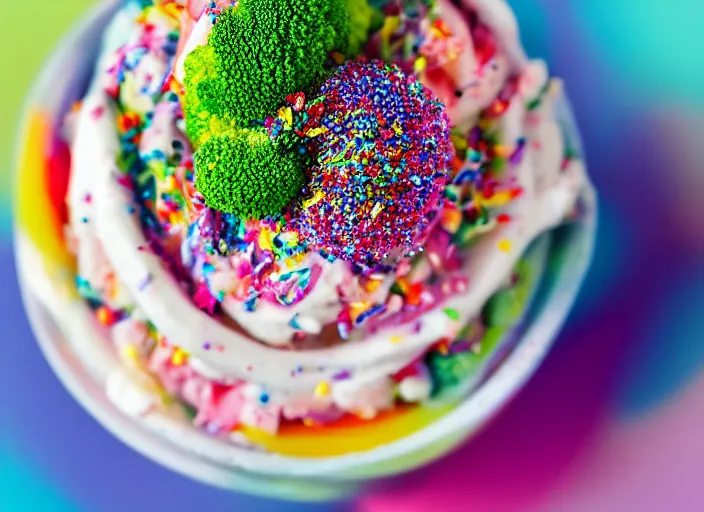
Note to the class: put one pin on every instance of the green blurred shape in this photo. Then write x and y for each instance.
(28, 33)
(22, 489)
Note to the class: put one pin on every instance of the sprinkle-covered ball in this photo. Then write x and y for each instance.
(381, 165)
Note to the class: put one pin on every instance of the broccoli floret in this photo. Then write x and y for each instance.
(448, 371)
(243, 173)
(258, 53)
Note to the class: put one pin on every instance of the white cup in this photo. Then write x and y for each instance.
(71, 342)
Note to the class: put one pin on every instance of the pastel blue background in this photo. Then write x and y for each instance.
(635, 341)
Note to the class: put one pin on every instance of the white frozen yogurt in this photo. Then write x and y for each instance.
(110, 242)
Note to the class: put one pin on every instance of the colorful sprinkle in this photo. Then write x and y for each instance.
(452, 314)
(130, 353)
(504, 245)
(322, 389)
(142, 285)
(179, 357)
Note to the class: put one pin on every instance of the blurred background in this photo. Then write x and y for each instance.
(614, 418)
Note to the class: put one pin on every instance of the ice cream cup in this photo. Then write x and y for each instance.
(71, 341)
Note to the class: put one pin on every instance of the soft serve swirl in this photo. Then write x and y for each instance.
(117, 259)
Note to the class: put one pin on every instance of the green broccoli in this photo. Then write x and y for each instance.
(243, 173)
(258, 53)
